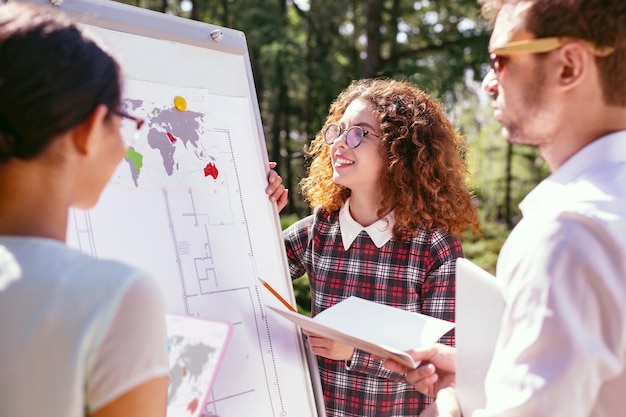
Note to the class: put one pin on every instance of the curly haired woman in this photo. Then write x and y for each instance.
(387, 181)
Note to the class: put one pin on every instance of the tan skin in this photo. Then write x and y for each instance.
(436, 371)
(147, 400)
(275, 188)
(37, 195)
(27, 208)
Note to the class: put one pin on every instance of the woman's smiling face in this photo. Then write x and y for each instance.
(359, 169)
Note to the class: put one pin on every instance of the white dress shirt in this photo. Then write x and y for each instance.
(562, 345)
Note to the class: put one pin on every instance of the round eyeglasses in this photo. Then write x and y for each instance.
(129, 127)
(354, 134)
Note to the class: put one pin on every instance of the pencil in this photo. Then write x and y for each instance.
(277, 295)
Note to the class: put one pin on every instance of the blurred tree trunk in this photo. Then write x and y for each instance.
(280, 112)
(373, 25)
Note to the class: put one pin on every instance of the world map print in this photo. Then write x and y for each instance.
(195, 348)
(170, 138)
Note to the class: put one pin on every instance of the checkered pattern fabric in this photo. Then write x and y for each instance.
(417, 276)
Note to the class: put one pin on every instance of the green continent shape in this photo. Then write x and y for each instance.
(135, 161)
(136, 158)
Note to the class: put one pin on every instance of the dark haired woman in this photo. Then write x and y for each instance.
(79, 336)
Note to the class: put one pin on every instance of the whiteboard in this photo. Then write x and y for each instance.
(187, 204)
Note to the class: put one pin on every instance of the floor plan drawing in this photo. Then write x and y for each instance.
(187, 204)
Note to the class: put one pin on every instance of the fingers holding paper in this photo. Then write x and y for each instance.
(437, 369)
(329, 348)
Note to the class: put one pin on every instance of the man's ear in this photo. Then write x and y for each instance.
(575, 61)
(86, 132)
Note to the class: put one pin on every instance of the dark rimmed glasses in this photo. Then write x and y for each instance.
(354, 134)
(129, 127)
(498, 56)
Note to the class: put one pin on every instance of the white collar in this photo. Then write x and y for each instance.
(381, 231)
(552, 193)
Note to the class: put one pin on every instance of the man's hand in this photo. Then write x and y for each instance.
(437, 369)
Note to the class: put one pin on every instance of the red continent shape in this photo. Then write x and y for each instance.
(192, 406)
(211, 170)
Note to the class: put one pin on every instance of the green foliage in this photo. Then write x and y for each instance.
(304, 53)
(302, 291)
(287, 220)
(484, 250)
(301, 286)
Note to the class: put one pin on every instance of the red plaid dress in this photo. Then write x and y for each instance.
(417, 276)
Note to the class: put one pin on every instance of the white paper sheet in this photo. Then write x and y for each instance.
(375, 328)
(479, 308)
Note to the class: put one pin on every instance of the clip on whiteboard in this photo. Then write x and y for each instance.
(217, 35)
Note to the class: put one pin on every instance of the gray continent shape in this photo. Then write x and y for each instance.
(182, 125)
(194, 358)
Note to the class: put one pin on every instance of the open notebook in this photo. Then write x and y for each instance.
(479, 309)
(196, 348)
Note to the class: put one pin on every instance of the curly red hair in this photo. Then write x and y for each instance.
(425, 179)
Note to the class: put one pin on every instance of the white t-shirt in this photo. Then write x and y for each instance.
(75, 332)
(562, 345)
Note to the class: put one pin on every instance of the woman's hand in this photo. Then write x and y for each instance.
(276, 190)
(329, 348)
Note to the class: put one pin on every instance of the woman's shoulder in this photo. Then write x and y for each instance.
(318, 217)
(320, 223)
(50, 263)
(324, 222)
(434, 238)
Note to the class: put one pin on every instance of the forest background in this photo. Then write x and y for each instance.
(304, 52)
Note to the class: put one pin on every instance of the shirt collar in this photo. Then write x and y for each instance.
(380, 231)
(553, 190)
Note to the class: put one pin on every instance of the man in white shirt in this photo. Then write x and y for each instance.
(558, 82)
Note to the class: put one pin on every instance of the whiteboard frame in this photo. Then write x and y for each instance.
(121, 17)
